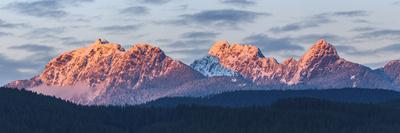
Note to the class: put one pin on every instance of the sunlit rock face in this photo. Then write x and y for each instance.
(104, 71)
(392, 70)
(320, 67)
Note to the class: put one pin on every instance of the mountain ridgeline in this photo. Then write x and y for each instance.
(105, 73)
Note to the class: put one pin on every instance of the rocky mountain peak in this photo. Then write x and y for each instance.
(392, 69)
(223, 49)
(219, 48)
(103, 45)
(321, 51)
(101, 41)
(146, 49)
(103, 70)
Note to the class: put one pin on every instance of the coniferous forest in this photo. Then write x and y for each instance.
(23, 112)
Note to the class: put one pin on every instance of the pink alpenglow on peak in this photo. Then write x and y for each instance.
(319, 67)
(107, 74)
(221, 48)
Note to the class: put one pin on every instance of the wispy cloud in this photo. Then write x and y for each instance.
(10, 69)
(346, 49)
(381, 34)
(392, 48)
(355, 13)
(120, 28)
(44, 8)
(318, 20)
(311, 38)
(189, 49)
(270, 44)
(34, 48)
(397, 3)
(389, 48)
(362, 29)
(73, 41)
(199, 35)
(44, 33)
(26, 67)
(135, 10)
(311, 22)
(155, 2)
(239, 2)
(223, 17)
(39, 54)
(361, 21)
(4, 24)
(2, 34)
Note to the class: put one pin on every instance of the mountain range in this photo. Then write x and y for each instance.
(105, 73)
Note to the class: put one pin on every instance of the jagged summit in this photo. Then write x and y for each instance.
(223, 48)
(320, 52)
(145, 49)
(101, 41)
(393, 62)
(392, 69)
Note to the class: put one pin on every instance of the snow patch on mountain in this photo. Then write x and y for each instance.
(210, 66)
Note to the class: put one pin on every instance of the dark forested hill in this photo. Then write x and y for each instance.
(23, 112)
(265, 97)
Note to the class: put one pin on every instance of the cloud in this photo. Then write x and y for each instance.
(397, 3)
(312, 22)
(10, 69)
(191, 52)
(361, 21)
(381, 34)
(40, 53)
(155, 2)
(317, 21)
(120, 28)
(44, 8)
(346, 49)
(270, 44)
(33, 48)
(390, 48)
(73, 41)
(40, 33)
(187, 50)
(312, 38)
(355, 13)
(135, 10)
(362, 29)
(2, 34)
(393, 48)
(199, 35)
(223, 17)
(377, 65)
(27, 67)
(4, 24)
(191, 43)
(239, 2)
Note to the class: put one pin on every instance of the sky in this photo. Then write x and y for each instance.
(32, 32)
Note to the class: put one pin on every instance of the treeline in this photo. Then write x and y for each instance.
(246, 98)
(23, 112)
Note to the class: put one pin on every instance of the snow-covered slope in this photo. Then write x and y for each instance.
(210, 66)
